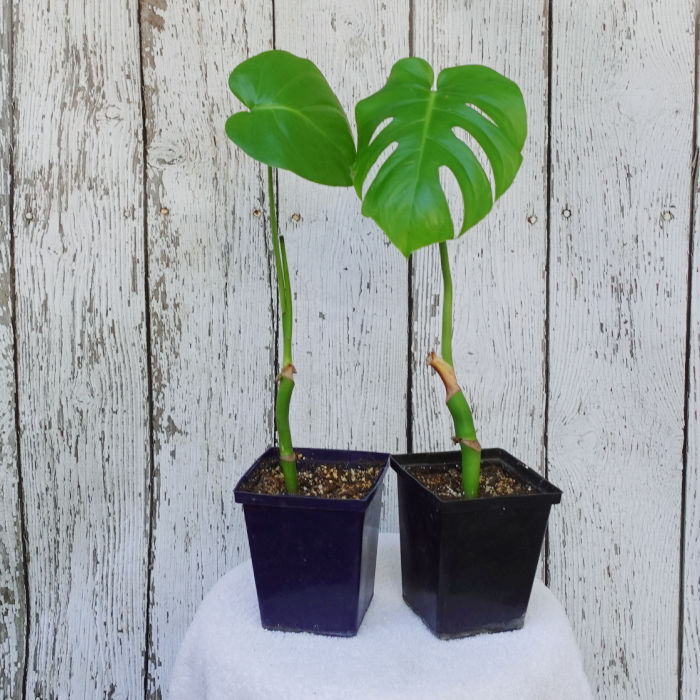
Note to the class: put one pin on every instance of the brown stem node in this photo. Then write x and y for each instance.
(288, 371)
(473, 444)
(446, 372)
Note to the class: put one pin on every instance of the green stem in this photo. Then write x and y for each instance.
(286, 378)
(446, 348)
(286, 308)
(464, 430)
(289, 467)
(457, 403)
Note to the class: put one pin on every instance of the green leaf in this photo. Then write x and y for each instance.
(295, 120)
(405, 197)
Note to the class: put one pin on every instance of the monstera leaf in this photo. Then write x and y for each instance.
(405, 197)
(295, 120)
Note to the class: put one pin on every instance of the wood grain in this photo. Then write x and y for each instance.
(81, 336)
(498, 267)
(690, 667)
(212, 305)
(12, 584)
(622, 105)
(350, 286)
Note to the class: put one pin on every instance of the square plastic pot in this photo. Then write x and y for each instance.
(467, 566)
(314, 558)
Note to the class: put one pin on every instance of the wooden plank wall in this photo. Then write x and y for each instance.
(690, 657)
(140, 354)
(351, 305)
(617, 328)
(13, 623)
(81, 339)
(211, 301)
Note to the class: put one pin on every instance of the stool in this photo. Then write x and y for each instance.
(227, 655)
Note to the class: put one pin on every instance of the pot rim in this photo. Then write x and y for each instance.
(545, 491)
(247, 498)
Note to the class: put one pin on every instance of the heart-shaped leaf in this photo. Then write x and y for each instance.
(405, 197)
(295, 121)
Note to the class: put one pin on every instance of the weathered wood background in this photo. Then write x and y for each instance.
(138, 317)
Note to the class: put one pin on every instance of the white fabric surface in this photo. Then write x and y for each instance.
(226, 654)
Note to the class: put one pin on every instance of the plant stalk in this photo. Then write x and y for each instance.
(446, 345)
(465, 433)
(286, 376)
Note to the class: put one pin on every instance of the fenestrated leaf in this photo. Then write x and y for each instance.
(405, 197)
(295, 121)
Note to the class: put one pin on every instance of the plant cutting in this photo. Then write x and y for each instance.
(460, 553)
(312, 514)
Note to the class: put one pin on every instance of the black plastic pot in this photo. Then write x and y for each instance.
(467, 566)
(314, 558)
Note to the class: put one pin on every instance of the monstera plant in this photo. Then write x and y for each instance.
(296, 123)
(469, 550)
(313, 537)
(406, 198)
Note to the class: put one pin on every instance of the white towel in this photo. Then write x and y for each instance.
(227, 655)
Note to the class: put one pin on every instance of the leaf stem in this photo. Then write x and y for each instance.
(287, 318)
(446, 348)
(287, 456)
(465, 433)
(286, 377)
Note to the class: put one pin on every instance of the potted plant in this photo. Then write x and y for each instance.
(468, 558)
(312, 515)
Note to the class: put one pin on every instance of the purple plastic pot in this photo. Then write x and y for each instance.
(467, 566)
(314, 558)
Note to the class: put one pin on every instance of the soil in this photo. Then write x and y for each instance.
(316, 479)
(446, 481)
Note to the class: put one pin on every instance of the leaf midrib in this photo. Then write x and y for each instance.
(430, 110)
(426, 126)
(423, 140)
(282, 108)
